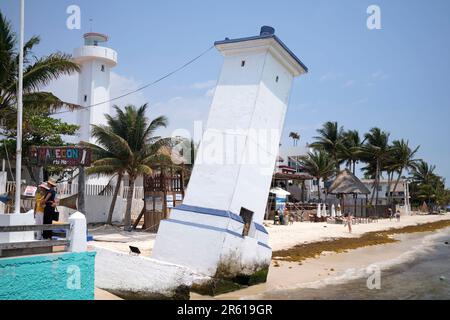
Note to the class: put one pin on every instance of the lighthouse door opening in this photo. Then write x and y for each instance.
(247, 216)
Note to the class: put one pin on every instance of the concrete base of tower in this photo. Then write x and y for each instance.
(210, 243)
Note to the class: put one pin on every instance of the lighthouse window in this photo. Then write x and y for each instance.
(247, 217)
(103, 68)
(242, 63)
(85, 98)
(276, 79)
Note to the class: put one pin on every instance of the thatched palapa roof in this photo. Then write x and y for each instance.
(347, 183)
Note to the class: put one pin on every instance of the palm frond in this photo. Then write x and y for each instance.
(46, 102)
(45, 69)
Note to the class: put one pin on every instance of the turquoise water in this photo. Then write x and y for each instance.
(62, 276)
(427, 277)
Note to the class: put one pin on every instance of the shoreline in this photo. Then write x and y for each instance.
(336, 267)
(313, 268)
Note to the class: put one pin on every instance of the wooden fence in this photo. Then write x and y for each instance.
(12, 249)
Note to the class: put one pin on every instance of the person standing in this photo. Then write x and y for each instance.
(276, 217)
(390, 213)
(348, 221)
(281, 216)
(49, 209)
(39, 208)
(397, 215)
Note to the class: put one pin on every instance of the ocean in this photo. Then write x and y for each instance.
(422, 273)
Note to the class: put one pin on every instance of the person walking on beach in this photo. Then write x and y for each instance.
(49, 209)
(291, 219)
(348, 221)
(397, 215)
(276, 217)
(39, 208)
(281, 217)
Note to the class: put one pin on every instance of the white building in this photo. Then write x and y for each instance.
(219, 225)
(400, 195)
(93, 82)
(301, 186)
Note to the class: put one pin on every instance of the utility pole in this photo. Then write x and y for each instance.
(19, 111)
(81, 190)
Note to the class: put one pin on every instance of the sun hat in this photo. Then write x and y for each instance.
(44, 185)
(51, 182)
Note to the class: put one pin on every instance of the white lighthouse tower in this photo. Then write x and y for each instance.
(218, 229)
(96, 61)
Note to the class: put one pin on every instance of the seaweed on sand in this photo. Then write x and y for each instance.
(304, 251)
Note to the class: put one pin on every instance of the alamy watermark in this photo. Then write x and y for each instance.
(73, 21)
(372, 274)
(73, 277)
(374, 19)
(252, 147)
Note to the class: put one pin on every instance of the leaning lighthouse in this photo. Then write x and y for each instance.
(96, 61)
(218, 230)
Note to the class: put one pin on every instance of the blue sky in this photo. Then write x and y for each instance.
(397, 78)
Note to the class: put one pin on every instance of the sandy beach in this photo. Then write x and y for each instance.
(329, 267)
(333, 268)
(280, 237)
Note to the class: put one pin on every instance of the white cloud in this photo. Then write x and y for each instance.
(121, 85)
(349, 83)
(181, 111)
(66, 88)
(360, 101)
(175, 99)
(329, 76)
(380, 74)
(203, 85)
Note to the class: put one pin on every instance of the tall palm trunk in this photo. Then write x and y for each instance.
(376, 189)
(397, 181)
(318, 190)
(390, 177)
(127, 221)
(376, 182)
(338, 167)
(114, 199)
(303, 190)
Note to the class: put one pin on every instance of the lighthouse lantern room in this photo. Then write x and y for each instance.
(96, 61)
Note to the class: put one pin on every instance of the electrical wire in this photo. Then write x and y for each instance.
(145, 86)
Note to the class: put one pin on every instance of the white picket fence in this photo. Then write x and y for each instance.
(67, 189)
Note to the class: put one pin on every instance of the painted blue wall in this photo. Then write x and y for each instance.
(66, 276)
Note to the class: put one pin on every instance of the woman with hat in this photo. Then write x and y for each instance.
(50, 205)
(39, 207)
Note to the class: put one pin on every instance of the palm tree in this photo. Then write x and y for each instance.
(295, 137)
(127, 146)
(330, 139)
(351, 149)
(318, 164)
(423, 173)
(38, 72)
(402, 158)
(375, 151)
(426, 185)
(109, 162)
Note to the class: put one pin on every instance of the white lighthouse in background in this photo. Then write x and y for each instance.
(96, 62)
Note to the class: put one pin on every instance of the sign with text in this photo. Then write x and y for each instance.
(61, 156)
(30, 191)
